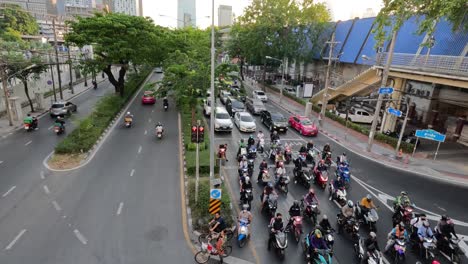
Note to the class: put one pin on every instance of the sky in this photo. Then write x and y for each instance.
(340, 9)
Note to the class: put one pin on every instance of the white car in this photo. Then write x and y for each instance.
(261, 95)
(207, 106)
(224, 95)
(356, 115)
(222, 120)
(245, 122)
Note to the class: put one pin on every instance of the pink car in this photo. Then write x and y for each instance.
(303, 125)
(148, 98)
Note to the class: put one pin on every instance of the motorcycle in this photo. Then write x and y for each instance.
(323, 256)
(405, 215)
(222, 151)
(246, 197)
(329, 239)
(452, 250)
(302, 176)
(242, 153)
(338, 195)
(310, 211)
(266, 178)
(250, 167)
(328, 159)
(242, 234)
(30, 127)
(311, 155)
(321, 177)
(243, 172)
(271, 205)
(166, 106)
(345, 174)
(296, 227)
(252, 152)
(398, 250)
(287, 155)
(282, 183)
(208, 250)
(128, 122)
(429, 248)
(375, 257)
(370, 217)
(350, 226)
(59, 128)
(159, 132)
(280, 244)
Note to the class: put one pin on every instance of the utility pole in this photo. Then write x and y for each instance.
(52, 76)
(282, 81)
(197, 162)
(403, 127)
(7, 103)
(57, 59)
(212, 90)
(379, 100)
(327, 80)
(70, 67)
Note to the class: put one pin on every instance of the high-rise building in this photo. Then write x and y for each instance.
(224, 16)
(186, 13)
(140, 7)
(129, 7)
(34, 6)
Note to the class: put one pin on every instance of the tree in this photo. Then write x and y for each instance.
(16, 22)
(119, 40)
(429, 12)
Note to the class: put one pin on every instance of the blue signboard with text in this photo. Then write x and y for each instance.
(385, 90)
(394, 111)
(430, 134)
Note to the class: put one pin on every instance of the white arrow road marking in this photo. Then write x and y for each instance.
(132, 172)
(119, 210)
(80, 237)
(385, 197)
(9, 191)
(13, 242)
(1, 161)
(56, 206)
(27, 143)
(46, 189)
(139, 149)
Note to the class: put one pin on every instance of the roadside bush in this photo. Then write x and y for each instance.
(91, 128)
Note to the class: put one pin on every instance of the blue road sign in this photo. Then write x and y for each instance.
(430, 134)
(385, 90)
(215, 194)
(393, 111)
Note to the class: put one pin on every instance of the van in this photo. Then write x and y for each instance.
(223, 120)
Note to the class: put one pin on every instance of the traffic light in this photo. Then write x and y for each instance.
(194, 134)
(201, 134)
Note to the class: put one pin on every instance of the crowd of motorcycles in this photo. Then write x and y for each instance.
(313, 167)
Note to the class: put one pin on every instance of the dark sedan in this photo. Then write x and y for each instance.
(274, 121)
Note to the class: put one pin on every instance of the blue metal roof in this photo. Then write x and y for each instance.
(341, 32)
(407, 39)
(448, 42)
(356, 39)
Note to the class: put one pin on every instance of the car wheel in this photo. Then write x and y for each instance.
(301, 132)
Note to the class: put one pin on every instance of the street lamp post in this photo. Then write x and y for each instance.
(282, 76)
(212, 96)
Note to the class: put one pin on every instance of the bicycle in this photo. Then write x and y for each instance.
(208, 250)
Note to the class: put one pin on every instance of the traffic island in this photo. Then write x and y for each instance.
(65, 161)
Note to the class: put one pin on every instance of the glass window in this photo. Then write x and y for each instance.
(222, 116)
(58, 106)
(246, 118)
(278, 118)
(306, 122)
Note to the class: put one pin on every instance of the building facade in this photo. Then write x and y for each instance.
(186, 13)
(129, 7)
(224, 16)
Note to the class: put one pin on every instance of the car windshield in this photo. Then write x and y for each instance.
(226, 94)
(278, 118)
(58, 105)
(237, 104)
(258, 103)
(148, 95)
(246, 118)
(222, 116)
(306, 122)
(261, 93)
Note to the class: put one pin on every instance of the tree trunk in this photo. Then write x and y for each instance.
(26, 91)
(264, 76)
(119, 83)
(135, 68)
(242, 68)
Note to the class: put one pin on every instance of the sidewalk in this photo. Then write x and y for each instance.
(381, 153)
(79, 88)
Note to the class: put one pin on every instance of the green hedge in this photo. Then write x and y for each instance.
(200, 214)
(91, 128)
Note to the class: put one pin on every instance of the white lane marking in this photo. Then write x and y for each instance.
(149, 120)
(27, 143)
(119, 210)
(146, 132)
(9, 191)
(46, 189)
(1, 161)
(13, 242)
(50, 128)
(56, 206)
(80, 237)
(132, 172)
(42, 175)
(139, 149)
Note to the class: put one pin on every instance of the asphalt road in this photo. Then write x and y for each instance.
(374, 178)
(122, 207)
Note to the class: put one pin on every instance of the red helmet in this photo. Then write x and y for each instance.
(435, 262)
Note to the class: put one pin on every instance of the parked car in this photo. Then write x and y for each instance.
(62, 108)
(290, 90)
(233, 106)
(148, 98)
(207, 106)
(223, 95)
(261, 95)
(357, 115)
(222, 120)
(245, 122)
(255, 106)
(158, 70)
(274, 121)
(303, 125)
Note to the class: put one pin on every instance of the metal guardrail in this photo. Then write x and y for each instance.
(450, 65)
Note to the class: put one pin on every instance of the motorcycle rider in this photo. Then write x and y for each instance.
(342, 159)
(424, 231)
(310, 145)
(159, 128)
(398, 232)
(415, 224)
(400, 201)
(337, 184)
(245, 216)
(263, 166)
(310, 197)
(165, 102)
(303, 149)
(250, 141)
(218, 224)
(366, 205)
(444, 230)
(294, 210)
(280, 170)
(267, 190)
(321, 166)
(241, 145)
(59, 120)
(370, 245)
(325, 224)
(243, 164)
(260, 137)
(316, 242)
(276, 225)
(274, 136)
(129, 115)
(347, 212)
(325, 151)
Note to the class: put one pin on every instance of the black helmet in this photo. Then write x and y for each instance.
(296, 203)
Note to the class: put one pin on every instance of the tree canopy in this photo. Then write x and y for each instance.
(398, 11)
(16, 22)
(119, 40)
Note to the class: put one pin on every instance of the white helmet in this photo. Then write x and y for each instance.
(247, 179)
(128, 113)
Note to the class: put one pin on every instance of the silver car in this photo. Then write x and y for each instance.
(62, 108)
(255, 106)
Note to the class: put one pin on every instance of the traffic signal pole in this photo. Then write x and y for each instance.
(197, 163)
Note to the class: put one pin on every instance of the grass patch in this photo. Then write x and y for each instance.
(200, 214)
(91, 128)
(65, 161)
